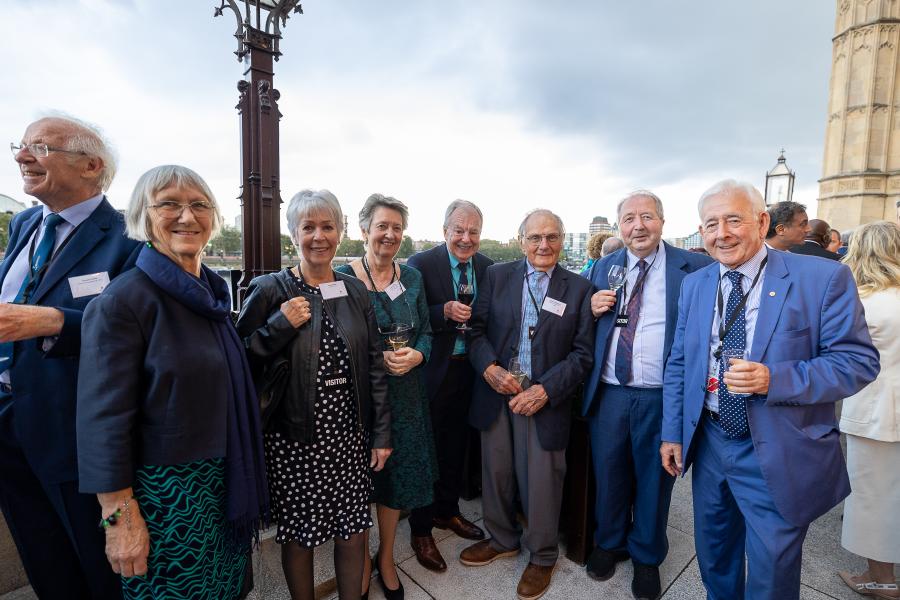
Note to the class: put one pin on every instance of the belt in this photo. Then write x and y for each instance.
(459, 357)
(712, 415)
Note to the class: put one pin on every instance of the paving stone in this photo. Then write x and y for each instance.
(681, 511)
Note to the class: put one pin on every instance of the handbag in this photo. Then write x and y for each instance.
(276, 373)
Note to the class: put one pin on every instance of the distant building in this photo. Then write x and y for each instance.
(599, 225)
(575, 245)
(9, 205)
(692, 241)
(238, 222)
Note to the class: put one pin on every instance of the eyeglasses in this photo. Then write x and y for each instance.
(172, 210)
(40, 150)
(535, 239)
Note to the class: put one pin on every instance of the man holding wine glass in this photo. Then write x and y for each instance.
(636, 310)
(535, 318)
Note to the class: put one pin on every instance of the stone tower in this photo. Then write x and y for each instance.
(861, 168)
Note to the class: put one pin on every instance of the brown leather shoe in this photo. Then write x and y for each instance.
(461, 527)
(535, 582)
(427, 553)
(481, 553)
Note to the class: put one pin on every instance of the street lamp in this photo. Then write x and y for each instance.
(779, 182)
(259, 24)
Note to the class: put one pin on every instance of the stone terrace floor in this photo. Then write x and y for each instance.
(822, 558)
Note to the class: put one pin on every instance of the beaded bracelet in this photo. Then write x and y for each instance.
(114, 518)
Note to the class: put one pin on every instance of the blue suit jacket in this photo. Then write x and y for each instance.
(561, 348)
(678, 264)
(44, 383)
(811, 333)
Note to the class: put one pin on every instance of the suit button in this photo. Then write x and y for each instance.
(694, 423)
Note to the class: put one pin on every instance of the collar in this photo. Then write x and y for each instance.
(750, 268)
(76, 215)
(813, 242)
(652, 259)
(529, 269)
(455, 262)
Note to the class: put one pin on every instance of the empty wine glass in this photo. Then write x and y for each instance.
(465, 294)
(616, 277)
(516, 370)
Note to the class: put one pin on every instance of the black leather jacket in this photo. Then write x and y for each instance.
(267, 332)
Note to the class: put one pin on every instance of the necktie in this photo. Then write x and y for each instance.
(733, 409)
(625, 346)
(36, 270)
(530, 318)
(463, 273)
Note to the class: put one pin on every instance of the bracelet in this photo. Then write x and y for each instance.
(114, 517)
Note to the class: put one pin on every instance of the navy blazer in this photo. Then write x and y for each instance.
(678, 264)
(434, 265)
(153, 386)
(44, 382)
(561, 350)
(811, 333)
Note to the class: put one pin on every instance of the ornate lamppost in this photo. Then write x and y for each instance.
(259, 24)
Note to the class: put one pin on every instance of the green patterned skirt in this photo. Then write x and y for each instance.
(190, 557)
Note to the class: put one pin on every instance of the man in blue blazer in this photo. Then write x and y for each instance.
(623, 393)
(540, 313)
(60, 255)
(760, 430)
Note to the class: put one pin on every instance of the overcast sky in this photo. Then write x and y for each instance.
(513, 104)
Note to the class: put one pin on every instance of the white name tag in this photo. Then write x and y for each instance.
(334, 289)
(554, 306)
(394, 290)
(88, 285)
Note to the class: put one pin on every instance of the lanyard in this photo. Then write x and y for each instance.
(638, 285)
(33, 275)
(723, 330)
(385, 305)
(537, 309)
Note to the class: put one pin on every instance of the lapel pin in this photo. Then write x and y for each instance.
(771, 293)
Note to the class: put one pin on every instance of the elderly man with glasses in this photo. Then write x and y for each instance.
(532, 341)
(60, 256)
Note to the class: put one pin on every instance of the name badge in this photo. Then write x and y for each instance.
(333, 289)
(621, 321)
(394, 290)
(712, 384)
(554, 306)
(88, 285)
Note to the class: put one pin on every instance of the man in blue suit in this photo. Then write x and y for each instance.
(539, 313)
(623, 393)
(60, 255)
(760, 430)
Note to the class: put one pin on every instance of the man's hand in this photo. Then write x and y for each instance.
(671, 458)
(402, 361)
(745, 377)
(530, 401)
(296, 310)
(457, 311)
(501, 381)
(602, 302)
(25, 321)
(379, 457)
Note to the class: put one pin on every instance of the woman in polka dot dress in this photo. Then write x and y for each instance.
(332, 426)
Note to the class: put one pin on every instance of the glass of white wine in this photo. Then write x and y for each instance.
(398, 335)
(518, 372)
(616, 277)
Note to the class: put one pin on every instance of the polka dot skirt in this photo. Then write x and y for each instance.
(321, 491)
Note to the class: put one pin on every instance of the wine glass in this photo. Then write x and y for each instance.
(517, 371)
(729, 354)
(616, 277)
(398, 335)
(465, 293)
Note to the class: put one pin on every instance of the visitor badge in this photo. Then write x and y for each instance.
(394, 290)
(333, 289)
(554, 306)
(88, 285)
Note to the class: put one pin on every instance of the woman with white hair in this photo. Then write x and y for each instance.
(332, 423)
(167, 419)
(871, 418)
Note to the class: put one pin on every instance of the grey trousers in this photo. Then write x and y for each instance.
(512, 456)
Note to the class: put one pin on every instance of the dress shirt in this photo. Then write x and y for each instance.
(460, 346)
(18, 270)
(541, 289)
(650, 336)
(751, 309)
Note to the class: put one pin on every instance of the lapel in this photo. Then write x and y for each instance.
(443, 272)
(515, 279)
(676, 269)
(84, 238)
(775, 281)
(559, 285)
(25, 232)
(706, 308)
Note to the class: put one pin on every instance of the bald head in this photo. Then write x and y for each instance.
(819, 232)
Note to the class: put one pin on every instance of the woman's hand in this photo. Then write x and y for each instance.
(296, 310)
(402, 361)
(379, 457)
(128, 541)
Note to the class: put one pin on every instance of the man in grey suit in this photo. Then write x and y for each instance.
(540, 314)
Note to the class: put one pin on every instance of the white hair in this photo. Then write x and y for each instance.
(88, 139)
(307, 202)
(461, 205)
(541, 212)
(731, 186)
(636, 194)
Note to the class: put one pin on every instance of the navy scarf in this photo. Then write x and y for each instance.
(247, 497)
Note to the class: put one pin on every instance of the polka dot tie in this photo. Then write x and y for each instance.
(732, 408)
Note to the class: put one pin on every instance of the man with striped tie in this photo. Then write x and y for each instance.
(531, 341)
(766, 343)
(623, 393)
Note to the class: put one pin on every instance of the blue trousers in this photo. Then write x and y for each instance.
(734, 514)
(633, 490)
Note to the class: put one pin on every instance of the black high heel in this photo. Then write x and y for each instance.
(389, 594)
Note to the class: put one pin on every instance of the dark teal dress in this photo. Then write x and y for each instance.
(407, 480)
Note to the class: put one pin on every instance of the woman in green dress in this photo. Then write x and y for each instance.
(398, 298)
